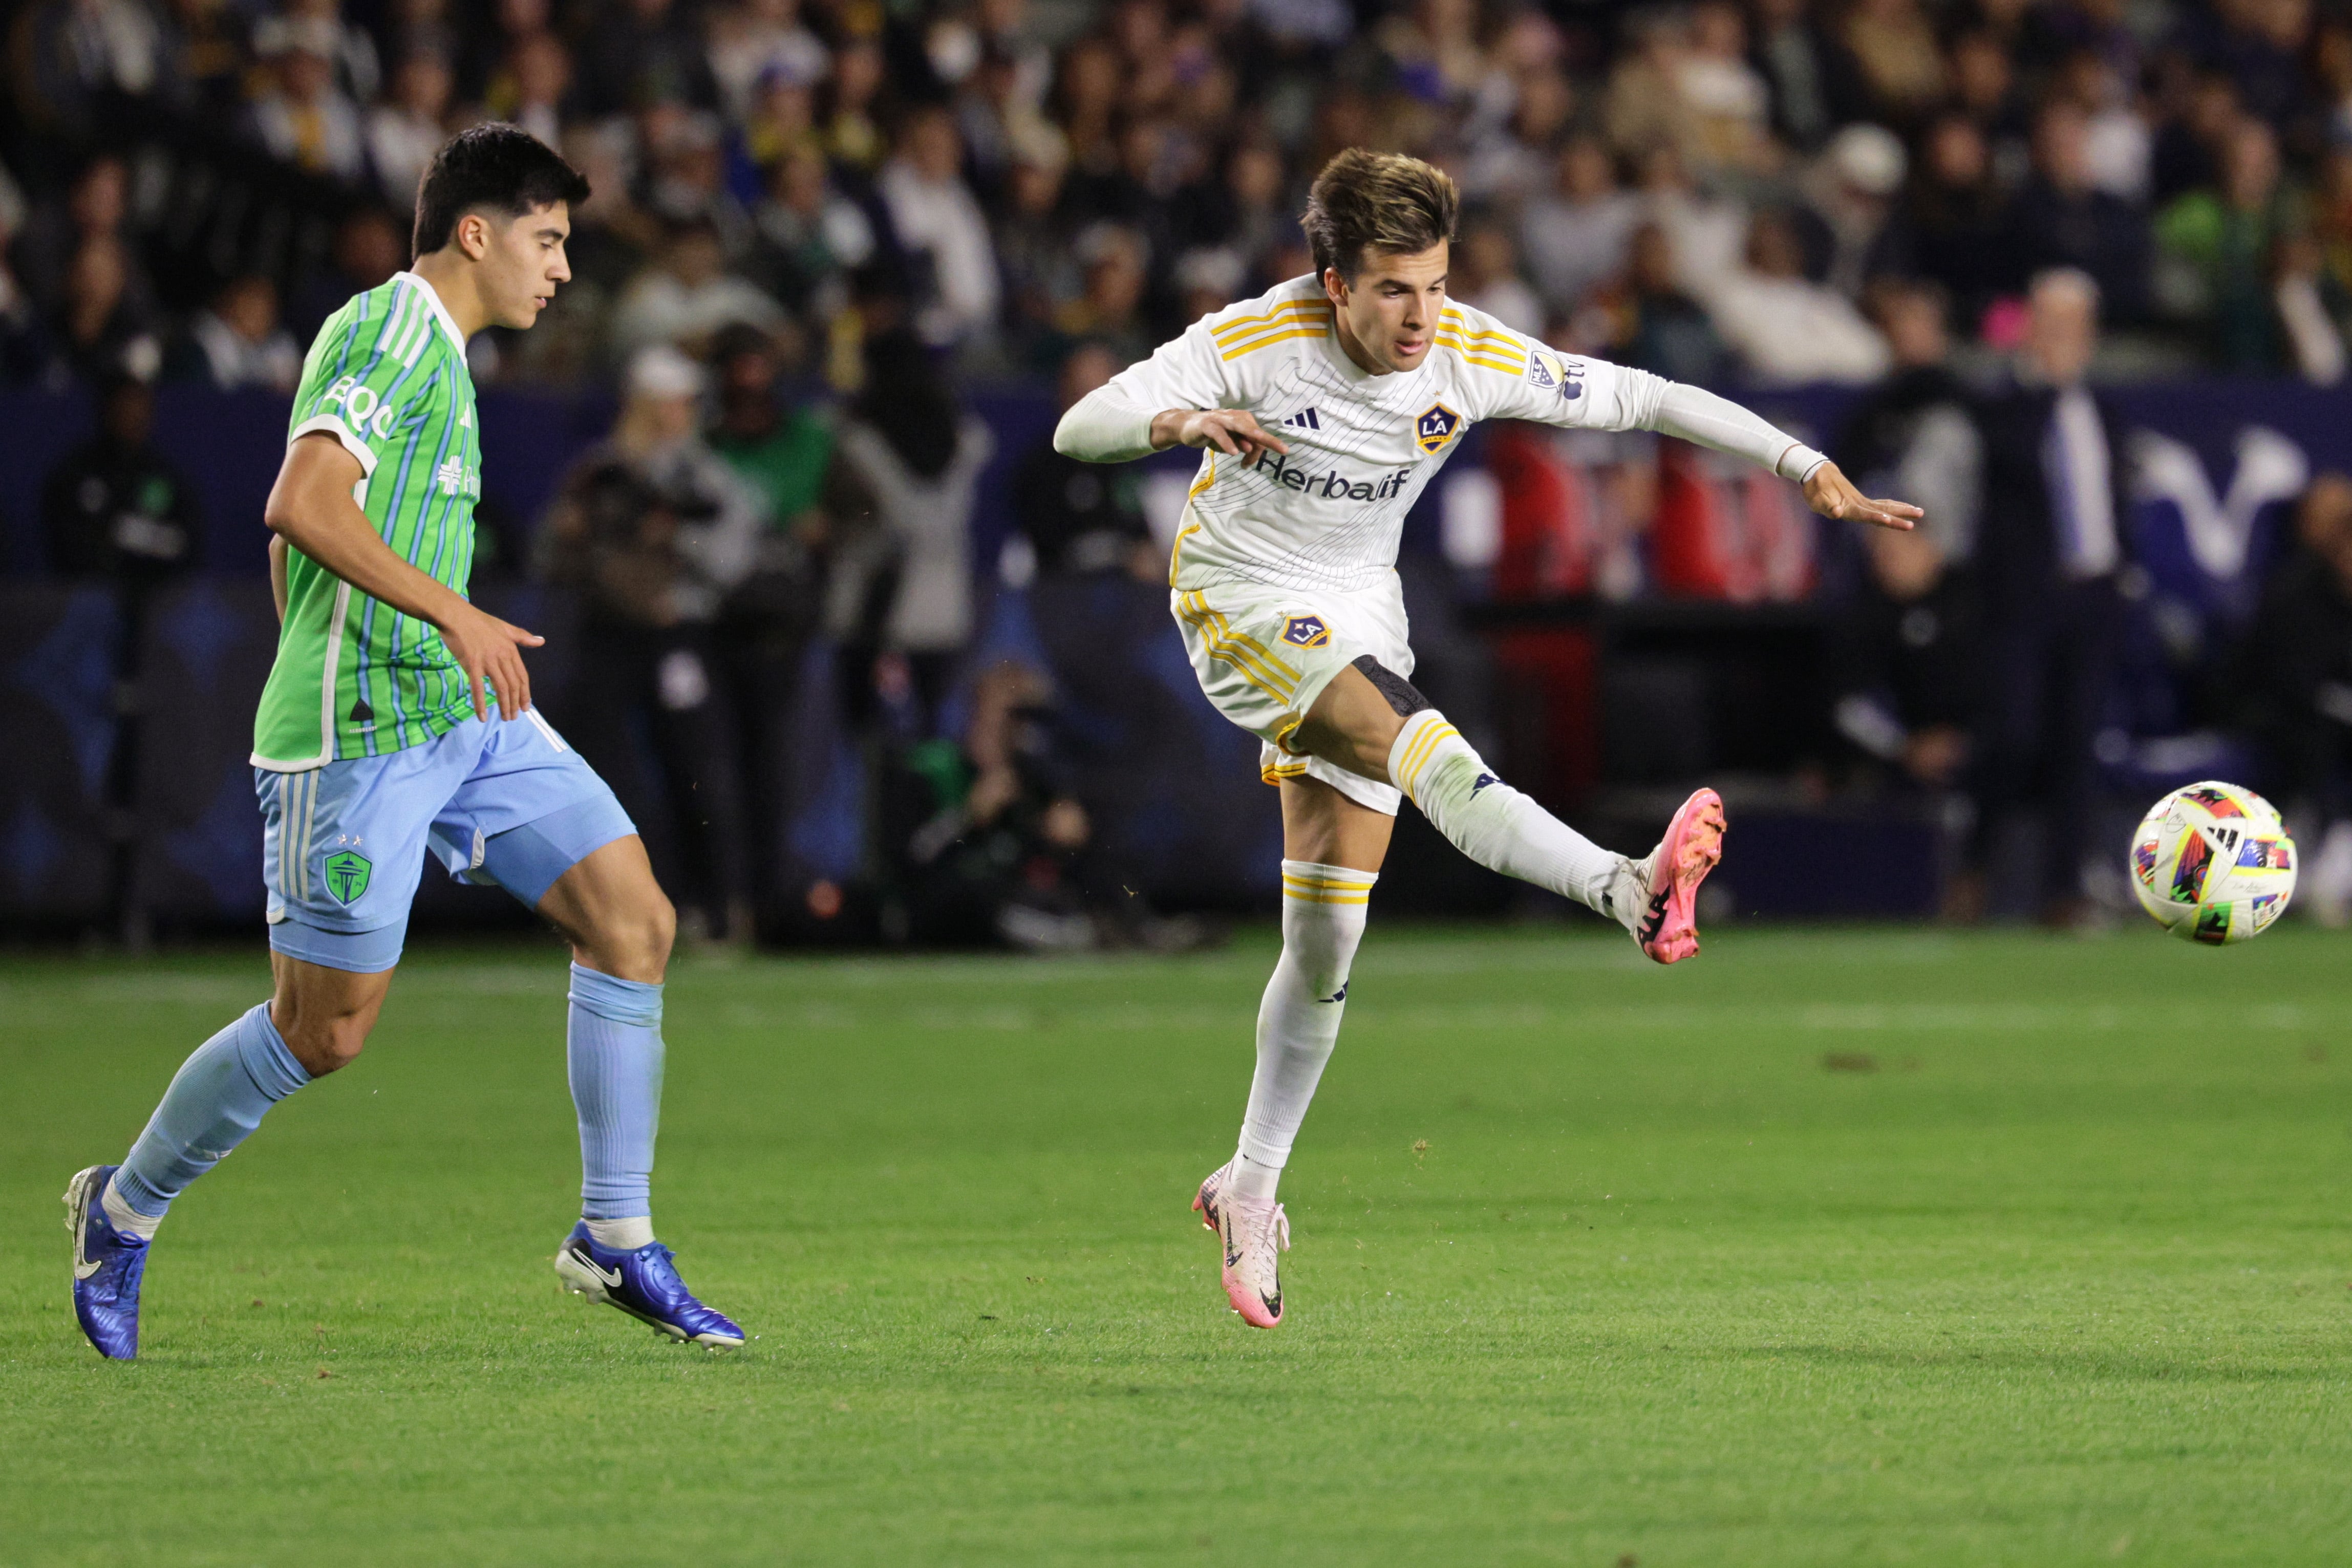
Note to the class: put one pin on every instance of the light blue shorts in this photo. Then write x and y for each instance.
(501, 802)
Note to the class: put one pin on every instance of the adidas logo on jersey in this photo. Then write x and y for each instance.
(1304, 420)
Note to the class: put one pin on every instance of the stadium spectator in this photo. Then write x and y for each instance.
(102, 328)
(2064, 220)
(809, 236)
(114, 508)
(353, 65)
(1903, 661)
(303, 117)
(1916, 432)
(653, 530)
(1647, 322)
(1485, 276)
(642, 53)
(97, 206)
(785, 453)
(1726, 101)
(237, 342)
(919, 454)
(2051, 544)
(688, 296)
(1109, 305)
(940, 224)
(1893, 45)
(1801, 70)
(760, 42)
(404, 134)
(2221, 246)
(1849, 195)
(207, 57)
(69, 57)
(1956, 227)
(2298, 666)
(985, 839)
(1575, 234)
(1082, 518)
(1784, 326)
(369, 247)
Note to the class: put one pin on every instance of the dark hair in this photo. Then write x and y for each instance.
(1377, 200)
(499, 166)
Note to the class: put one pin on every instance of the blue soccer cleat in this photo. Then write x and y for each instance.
(643, 1284)
(108, 1267)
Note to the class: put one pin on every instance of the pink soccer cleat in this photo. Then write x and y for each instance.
(1205, 1202)
(1253, 1232)
(1668, 927)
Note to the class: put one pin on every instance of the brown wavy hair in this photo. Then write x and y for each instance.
(1377, 200)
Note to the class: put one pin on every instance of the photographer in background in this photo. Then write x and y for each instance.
(652, 530)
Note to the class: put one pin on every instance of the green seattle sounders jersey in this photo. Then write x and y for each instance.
(354, 677)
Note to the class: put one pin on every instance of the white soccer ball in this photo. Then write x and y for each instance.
(2212, 863)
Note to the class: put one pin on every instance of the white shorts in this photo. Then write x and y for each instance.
(1263, 655)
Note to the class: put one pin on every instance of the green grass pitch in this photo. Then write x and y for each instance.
(1831, 1247)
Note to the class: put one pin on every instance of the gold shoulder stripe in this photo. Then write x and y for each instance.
(1481, 357)
(1242, 326)
(1482, 342)
(1252, 347)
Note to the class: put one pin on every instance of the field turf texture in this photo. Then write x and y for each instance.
(1830, 1246)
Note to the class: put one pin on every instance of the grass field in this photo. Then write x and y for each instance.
(1831, 1247)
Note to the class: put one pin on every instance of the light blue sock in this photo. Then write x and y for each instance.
(219, 1096)
(615, 1056)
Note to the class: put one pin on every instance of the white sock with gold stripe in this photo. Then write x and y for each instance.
(1323, 909)
(1496, 825)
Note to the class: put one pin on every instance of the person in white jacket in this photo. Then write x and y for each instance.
(1323, 410)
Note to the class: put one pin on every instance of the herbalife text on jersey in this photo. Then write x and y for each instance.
(1330, 487)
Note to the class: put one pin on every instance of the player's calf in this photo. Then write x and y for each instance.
(1505, 831)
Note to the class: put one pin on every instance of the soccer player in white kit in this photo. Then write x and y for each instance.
(1324, 408)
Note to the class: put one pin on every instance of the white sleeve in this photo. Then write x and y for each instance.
(1553, 388)
(1105, 426)
(1113, 422)
(1694, 414)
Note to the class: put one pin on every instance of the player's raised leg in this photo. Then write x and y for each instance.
(621, 926)
(1332, 848)
(1378, 726)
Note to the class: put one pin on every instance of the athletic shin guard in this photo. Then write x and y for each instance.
(1323, 909)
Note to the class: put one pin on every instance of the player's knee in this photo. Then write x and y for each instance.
(634, 943)
(327, 1044)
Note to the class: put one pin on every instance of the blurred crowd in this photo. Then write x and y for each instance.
(815, 220)
(1713, 190)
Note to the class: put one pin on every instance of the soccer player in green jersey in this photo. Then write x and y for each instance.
(376, 740)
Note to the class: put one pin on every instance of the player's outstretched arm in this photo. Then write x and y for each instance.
(311, 509)
(1694, 414)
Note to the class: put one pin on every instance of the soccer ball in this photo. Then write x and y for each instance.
(2213, 864)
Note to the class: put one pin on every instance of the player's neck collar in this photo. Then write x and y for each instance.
(440, 310)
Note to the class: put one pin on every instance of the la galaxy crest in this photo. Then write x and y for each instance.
(1436, 428)
(1305, 631)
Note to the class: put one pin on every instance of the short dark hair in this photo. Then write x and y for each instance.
(1377, 200)
(499, 166)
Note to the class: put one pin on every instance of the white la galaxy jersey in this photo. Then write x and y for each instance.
(1362, 446)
